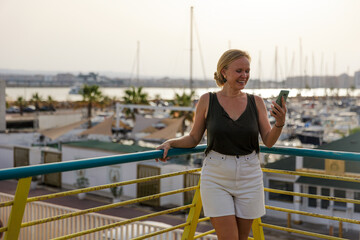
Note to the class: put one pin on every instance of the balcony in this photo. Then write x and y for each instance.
(27, 217)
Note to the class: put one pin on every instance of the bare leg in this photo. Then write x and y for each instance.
(244, 227)
(226, 227)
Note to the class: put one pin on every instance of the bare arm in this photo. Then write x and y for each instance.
(194, 137)
(270, 135)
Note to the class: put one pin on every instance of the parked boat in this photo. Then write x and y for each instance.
(75, 89)
(311, 135)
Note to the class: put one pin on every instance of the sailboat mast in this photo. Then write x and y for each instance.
(138, 63)
(191, 47)
(276, 64)
(259, 86)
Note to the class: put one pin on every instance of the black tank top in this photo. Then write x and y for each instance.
(226, 136)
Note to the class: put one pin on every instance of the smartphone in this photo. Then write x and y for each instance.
(283, 93)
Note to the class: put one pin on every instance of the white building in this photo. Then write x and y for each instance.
(357, 79)
(2, 106)
(318, 186)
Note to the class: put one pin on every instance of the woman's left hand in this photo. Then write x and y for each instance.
(279, 112)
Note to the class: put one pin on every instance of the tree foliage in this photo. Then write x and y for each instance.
(183, 100)
(36, 99)
(91, 94)
(135, 95)
(20, 102)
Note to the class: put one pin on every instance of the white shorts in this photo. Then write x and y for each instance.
(232, 185)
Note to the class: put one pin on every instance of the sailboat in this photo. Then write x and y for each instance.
(75, 89)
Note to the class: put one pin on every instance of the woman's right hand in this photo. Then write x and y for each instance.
(165, 146)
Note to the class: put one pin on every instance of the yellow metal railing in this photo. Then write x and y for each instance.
(306, 195)
(14, 225)
(18, 205)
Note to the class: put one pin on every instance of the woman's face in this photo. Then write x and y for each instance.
(238, 73)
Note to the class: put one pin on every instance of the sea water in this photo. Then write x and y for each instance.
(62, 94)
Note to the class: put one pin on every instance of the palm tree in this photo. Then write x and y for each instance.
(135, 95)
(184, 100)
(91, 94)
(20, 102)
(50, 102)
(36, 99)
(106, 101)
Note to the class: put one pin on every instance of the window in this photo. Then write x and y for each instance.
(312, 201)
(325, 203)
(357, 206)
(280, 185)
(339, 194)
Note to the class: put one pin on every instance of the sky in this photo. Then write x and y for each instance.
(314, 37)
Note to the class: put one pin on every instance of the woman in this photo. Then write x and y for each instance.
(231, 179)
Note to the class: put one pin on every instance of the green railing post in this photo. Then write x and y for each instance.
(257, 229)
(193, 217)
(18, 208)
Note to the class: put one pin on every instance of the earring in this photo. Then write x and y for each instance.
(225, 80)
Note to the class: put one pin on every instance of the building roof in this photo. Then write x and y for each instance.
(108, 146)
(103, 128)
(54, 133)
(167, 132)
(350, 143)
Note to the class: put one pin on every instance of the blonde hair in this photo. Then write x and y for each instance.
(225, 60)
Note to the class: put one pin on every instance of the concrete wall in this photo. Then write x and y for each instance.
(97, 176)
(128, 171)
(172, 183)
(357, 79)
(6, 157)
(58, 120)
(2, 106)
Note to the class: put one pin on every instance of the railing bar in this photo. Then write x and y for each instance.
(313, 214)
(96, 209)
(336, 199)
(315, 153)
(96, 188)
(40, 169)
(28, 171)
(162, 231)
(315, 175)
(125, 222)
(203, 219)
(3, 229)
(6, 204)
(301, 232)
(204, 234)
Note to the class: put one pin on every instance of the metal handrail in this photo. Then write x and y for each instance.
(25, 173)
(28, 171)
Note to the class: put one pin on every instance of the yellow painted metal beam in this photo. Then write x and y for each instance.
(105, 186)
(204, 234)
(312, 196)
(101, 208)
(117, 224)
(301, 232)
(316, 175)
(6, 204)
(257, 229)
(18, 208)
(313, 214)
(204, 219)
(161, 231)
(3, 229)
(193, 216)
